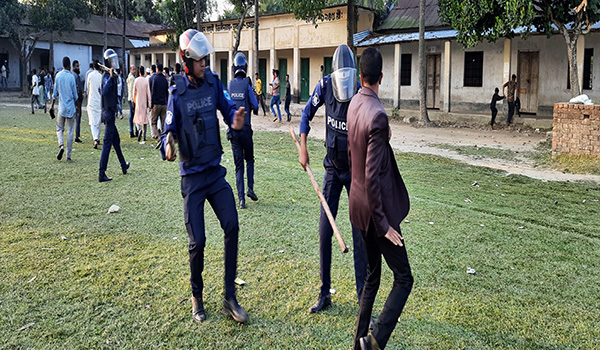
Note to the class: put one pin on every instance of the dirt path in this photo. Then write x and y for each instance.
(406, 138)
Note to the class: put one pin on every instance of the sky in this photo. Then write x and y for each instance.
(221, 7)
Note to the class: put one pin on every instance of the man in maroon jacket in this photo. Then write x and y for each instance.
(378, 203)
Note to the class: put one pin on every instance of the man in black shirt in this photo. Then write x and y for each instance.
(288, 97)
(160, 92)
(495, 98)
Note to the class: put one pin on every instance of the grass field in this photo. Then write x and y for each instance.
(75, 277)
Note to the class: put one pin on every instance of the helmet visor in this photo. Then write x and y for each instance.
(344, 84)
(198, 47)
(112, 61)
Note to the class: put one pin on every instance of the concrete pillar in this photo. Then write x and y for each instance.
(250, 71)
(131, 60)
(213, 62)
(152, 59)
(397, 59)
(229, 66)
(446, 77)
(143, 59)
(296, 77)
(165, 59)
(507, 61)
(580, 57)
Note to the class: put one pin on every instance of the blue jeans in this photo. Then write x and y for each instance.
(275, 99)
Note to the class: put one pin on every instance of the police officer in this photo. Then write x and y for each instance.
(240, 90)
(335, 91)
(192, 122)
(109, 113)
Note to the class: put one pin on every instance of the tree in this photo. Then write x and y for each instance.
(477, 20)
(181, 15)
(241, 8)
(423, 116)
(24, 23)
(143, 10)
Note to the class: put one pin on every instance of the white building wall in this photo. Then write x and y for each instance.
(80, 53)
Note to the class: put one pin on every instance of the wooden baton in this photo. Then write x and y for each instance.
(336, 232)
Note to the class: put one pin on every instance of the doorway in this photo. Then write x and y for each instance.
(224, 69)
(304, 79)
(282, 73)
(434, 65)
(527, 79)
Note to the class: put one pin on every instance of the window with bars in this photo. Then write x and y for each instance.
(473, 68)
(588, 70)
(405, 69)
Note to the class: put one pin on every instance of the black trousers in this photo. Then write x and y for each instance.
(78, 119)
(334, 182)
(511, 112)
(397, 259)
(243, 149)
(196, 188)
(494, 114)
(111, 139)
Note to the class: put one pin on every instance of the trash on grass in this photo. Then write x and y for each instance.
(25, 326)
(32, 279)
(332, 291)
(113, 209)
(239, 281)
(470, 270)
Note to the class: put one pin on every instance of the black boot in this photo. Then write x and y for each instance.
(198, 309)
(252, 195)
(125, 167)
(242, 203)
(238, 313)
(103, 178)
(323, 303)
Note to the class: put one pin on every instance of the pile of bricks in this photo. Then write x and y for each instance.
(576, 129)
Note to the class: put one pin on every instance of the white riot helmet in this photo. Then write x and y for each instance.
(343, 76)
(111, 59)
(194, 46)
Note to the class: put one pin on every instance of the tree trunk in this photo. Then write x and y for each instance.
(124, 67)
(423, 118)
(239, 28)
(105, 24)
(51, 54)
(25, 88)
(198, 16)
(350, 25)
(255, 36)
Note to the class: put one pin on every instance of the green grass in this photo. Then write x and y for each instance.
(121, 281)
(578, 164)
(481, 152)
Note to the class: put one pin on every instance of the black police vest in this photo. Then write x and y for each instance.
(199, 136)
(238, 90)
(336, 139)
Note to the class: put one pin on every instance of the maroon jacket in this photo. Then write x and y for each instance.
(377, 192)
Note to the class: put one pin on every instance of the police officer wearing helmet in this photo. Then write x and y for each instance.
(240, 90)
(109, 113)
(192, 123)
(334, 91)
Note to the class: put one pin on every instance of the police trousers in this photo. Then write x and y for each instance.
(111, 139)
(196, 188)
(397, 259)
(243, 149)
(334, 181)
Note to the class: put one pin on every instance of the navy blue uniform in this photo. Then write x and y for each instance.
(192, 119)
(337, 176)
(111, 134)
(242, 145)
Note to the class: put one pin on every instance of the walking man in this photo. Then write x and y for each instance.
(258, 93)
(130, 83)
(288, 97)
(335, 91)
(79, 83)
(159, 90)
(35, 91)
(66, 91)
(240, 90)
(276, 97)
(109, 114)
(4, 83)
(512, 90)
(94, 102)
(192, 122)
(378, 204)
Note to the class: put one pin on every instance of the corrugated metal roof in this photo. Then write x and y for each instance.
(91, 39)
(115, 26)
(358, 37)
(405, 16)
(404, 37)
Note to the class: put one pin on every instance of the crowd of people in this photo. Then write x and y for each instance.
(181, 108)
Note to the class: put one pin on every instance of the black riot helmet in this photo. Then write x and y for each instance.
(111, 59)
(343, 76)
(240, 64)
(194, 46)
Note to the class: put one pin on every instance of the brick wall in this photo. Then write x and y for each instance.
(576, 129)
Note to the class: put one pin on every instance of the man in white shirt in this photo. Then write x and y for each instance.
(94, 102)
(4, 81)
(35, 91)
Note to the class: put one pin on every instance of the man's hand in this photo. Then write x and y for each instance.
(170, 149)
(394, 236)
(303, 157)
(238, 119)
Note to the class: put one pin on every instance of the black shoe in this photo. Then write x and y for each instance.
(274, 120)
(78, 140)
(238, 313)
(125, 167)
(323, 303)
(131, 134)
(140, 134)
(103, 178)
(252, 195)
(96, 143)
(371, 324)
(158, 144)
(60, 153)
(198, 310)
(242, 204)
(365, 343)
